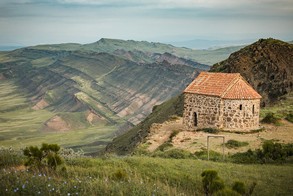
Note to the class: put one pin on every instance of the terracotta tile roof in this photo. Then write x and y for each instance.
(224, 85)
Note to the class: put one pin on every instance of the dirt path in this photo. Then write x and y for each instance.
(197, 141)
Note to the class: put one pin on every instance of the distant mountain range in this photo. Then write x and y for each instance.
(265, 64)
(210, 44)
(110, 83)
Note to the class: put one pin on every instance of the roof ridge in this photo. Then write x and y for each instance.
(239, 81)
(231, 84)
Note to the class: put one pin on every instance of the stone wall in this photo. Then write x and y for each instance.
(214, 112)
(207, 109)
(241, 114)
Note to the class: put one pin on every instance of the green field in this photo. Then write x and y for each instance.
(137, 176)
(21, 126)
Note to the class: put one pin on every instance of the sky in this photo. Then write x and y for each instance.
(32, 22)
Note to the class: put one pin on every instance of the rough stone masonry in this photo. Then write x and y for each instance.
(221, 100)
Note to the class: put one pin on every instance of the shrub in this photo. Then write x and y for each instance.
(211, 182)
(120, 175)
(289, 117)
(214, 156)
(245, 157)
(173, 134)
(47, 155)
(239, 187)
(271, 152)
(165, 146)
(271, 118)
(214, 185)
(235, 144)
(209, 130)
(174, 153)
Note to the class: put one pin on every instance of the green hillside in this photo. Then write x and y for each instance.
(85, 94)
(136, 176)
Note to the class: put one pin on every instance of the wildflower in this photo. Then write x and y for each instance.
(40, 175)
(39, 192)
(23, 186)
(49, 185)
(6, 190)
(68, 194)
(76, 193)
(75, 187)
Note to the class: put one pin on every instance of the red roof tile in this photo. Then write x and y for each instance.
(224, 85)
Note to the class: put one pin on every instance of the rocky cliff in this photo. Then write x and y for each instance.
(266, 64)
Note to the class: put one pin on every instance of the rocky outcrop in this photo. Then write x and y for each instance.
(266, 64)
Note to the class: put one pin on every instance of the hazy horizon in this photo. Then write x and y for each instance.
(209, 22)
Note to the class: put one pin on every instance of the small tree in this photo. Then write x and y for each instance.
(214, 185)
(211, 182)
(239, 187)
(47, 155)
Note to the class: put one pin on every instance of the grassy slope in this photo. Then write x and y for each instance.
(125, 143)
(140, 176)
(21, 126)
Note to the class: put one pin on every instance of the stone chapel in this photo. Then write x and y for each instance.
(221, 100)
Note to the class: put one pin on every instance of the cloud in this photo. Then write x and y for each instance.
(35, 21)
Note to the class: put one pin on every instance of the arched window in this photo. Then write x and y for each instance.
(253, 109)
(240, 107)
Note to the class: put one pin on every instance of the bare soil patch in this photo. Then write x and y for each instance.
(40, 105)
(56, 123)
(196, 141)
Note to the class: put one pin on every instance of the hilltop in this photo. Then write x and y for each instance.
(266, 65)
(251, 62)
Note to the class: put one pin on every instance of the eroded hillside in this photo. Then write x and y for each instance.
(88, 86)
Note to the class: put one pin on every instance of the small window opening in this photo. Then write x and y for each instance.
(240, 107)
(253, 109)
(195, 119)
